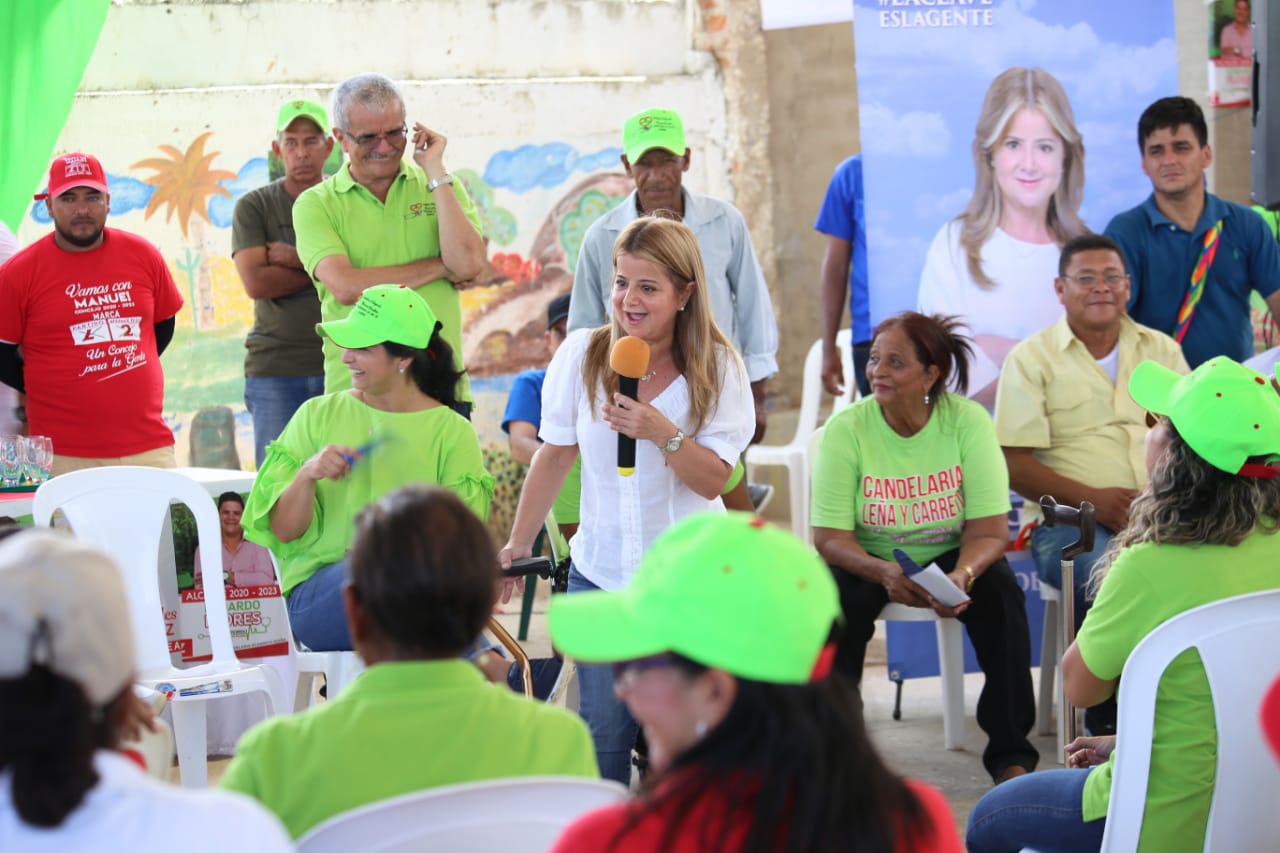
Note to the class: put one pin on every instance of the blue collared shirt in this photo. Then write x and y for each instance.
(842, 215)
(1161, 256)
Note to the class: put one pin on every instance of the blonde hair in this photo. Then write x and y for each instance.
(1017, 89)
(698, 345)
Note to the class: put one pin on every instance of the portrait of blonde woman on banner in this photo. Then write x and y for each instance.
(994, 264)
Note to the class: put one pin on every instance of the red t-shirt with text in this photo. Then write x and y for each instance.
(86, 325)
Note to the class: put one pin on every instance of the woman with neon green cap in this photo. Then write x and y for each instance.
(1203, 529)
(720, 648)
(342, 451)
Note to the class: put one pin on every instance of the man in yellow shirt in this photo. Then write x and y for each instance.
(1063, 415)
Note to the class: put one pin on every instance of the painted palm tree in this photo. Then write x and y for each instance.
(184, 183)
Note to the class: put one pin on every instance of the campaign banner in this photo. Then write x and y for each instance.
(256, 615)
(1021, 116)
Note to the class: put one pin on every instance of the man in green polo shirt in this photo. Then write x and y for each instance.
(384, 220)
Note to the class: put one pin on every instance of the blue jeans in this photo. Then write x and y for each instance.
(613, 729)
(1040, 811)
(1046, 549)
(316, 614)
(271, 401)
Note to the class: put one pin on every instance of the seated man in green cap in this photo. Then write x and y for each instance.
(721, 648)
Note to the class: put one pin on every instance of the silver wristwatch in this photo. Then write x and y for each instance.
(673, 444)
(435, 183)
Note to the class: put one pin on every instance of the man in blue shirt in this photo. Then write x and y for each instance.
(844, 269)
(1181, 227)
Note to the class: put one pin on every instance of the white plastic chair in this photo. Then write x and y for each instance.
(1237, 640)
(521, 815)
(950, 637)
(125, 511)
(793, 455)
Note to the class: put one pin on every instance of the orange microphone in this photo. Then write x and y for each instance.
(630, 360)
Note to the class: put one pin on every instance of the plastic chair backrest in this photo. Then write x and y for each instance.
(124, 510)
(1237, 640)
(513, 815)
(811, 385)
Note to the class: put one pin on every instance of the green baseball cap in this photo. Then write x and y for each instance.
(653, 129)
(385, 312)
(1225, 411)
(724, 589)
(302, 109)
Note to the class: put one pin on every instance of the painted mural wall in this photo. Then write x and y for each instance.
(538, 151)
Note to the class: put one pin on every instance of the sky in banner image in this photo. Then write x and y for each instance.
(924, 67)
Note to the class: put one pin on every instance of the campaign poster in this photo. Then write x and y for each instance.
(943, 90)
(1230, 53)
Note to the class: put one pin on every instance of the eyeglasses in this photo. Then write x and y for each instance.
(626, 672)
(1089, 279)
(369, 140)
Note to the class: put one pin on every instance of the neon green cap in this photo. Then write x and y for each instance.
(653, 129)
(1225, 412)
(724, 589)
(385, 312)
(309, 110)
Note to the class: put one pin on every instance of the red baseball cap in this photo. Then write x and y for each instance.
(74, 170)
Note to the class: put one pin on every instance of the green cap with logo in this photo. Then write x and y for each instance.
(653, 129)
(302, 109)
(724, 589)
(385, 313)
(1225, 412)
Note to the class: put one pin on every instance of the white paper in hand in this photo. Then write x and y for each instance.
(932, 579)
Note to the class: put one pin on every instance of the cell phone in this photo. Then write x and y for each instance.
(540, 566)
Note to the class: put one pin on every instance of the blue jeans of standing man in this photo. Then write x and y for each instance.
(1040, 811)
(613, 729)
(271, 401)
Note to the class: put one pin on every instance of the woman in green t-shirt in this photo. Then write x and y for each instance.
(1202, 530)
(918, 470)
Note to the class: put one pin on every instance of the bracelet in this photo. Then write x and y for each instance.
(968, 571)
(436, 183)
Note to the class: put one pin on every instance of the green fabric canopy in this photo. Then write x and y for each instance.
(44, 48)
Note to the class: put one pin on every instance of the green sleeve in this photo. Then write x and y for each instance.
(985, 482)
(464, 471)
(248, 223)
(836, 474)
(468, 207)
(1120, 617)
(317, 238)
(285, 456)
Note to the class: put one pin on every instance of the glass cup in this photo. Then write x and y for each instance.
(46, 455)
(12, 459)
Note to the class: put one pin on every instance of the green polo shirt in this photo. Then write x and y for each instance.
(399, 728)
(340, 217)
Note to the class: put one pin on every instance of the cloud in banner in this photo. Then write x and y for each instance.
(935, 208)
(1099, 69)
(912, 134)
(531, 167)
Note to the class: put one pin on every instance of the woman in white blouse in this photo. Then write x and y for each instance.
(693, 419)
(994, 264)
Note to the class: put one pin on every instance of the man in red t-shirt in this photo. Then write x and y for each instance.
(92, 309)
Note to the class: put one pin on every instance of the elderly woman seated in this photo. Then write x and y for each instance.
(66, 698)
(424, 579)
(916, 469)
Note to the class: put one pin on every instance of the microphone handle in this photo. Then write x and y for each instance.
(628, 386)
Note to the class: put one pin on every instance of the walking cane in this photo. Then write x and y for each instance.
(1084, 519)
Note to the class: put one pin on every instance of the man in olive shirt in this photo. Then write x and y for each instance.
(284, 365)
(384, 219)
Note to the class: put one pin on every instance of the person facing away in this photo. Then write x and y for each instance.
(92, 308)
(842, 219)
(424, 579)
(382, 219)
(1193, 258)
(283, 363)
(66, 701)
(721, 648)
